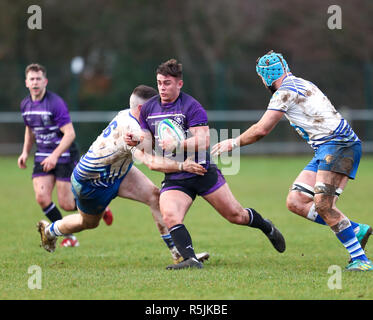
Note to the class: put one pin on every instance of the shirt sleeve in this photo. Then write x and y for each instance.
(280, 101)
(60, 112)
(142, 121)
(22, 107)
(197, 116)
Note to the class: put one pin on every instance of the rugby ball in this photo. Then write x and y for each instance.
(170, 128)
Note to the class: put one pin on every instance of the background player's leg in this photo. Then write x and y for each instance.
(300, 199)
(65, 196)
(43, 188)
(326, 184)
(67, 202)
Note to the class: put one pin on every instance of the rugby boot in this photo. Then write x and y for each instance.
(276, 238)
(360, 265)
(108, 216)
(48, 242)
(363, 234)
(203, 256)
(186, 264)
(70, 241)
(176, 256)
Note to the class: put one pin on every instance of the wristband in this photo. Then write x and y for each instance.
(181, 166)
(234, 143)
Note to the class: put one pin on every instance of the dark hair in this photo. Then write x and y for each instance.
(36, 67)
(171, 68)
(144, 92)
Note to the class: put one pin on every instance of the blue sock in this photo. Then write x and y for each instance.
(350, 242)
(315, 217)
(320, 220)
(168, 240)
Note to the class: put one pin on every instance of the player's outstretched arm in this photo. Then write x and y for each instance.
(166, 165)
(256, 132)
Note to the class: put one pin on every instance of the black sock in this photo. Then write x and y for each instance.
(183, 241)
(257, 221)
(52, 212)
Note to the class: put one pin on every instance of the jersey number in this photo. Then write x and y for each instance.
(110, 127)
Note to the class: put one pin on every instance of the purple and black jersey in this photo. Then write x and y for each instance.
(187, 112)
(45, 117)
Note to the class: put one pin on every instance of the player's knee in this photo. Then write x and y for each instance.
(235, 218)
(43, 199)
(322, 206)
(293, 203)
(67, 205)
(154, 198)
(296, 202)
(237, 215)
(170, 219)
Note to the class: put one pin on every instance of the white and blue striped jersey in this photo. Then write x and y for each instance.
(311, 113)
(109, 156)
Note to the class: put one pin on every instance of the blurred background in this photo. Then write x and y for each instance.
(97, 51)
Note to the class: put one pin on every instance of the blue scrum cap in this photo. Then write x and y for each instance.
(271, 67)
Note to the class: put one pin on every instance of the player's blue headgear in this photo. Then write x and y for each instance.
(271, 67)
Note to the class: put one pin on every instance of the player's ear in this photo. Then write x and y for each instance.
(180, 83)
(139, 107)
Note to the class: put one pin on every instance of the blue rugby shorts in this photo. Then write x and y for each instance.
(340, 158)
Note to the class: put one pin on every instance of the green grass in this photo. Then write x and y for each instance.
(127, 260)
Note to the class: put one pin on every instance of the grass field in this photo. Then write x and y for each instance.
(127, 260)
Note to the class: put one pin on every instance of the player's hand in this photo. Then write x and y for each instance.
(223, 146)
(22, 161)
(193, 167)
(49, 163)
(169, 144)
(132, 139)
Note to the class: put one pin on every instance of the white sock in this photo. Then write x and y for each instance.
(53, 229)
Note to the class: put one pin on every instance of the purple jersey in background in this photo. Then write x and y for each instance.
(45, 117)
(187, 112)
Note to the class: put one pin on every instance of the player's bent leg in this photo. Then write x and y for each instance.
(78, 222)
(301, 193)
(65, 196)
(327, 183)
(72, 223)
(325, 199)
(136, 186)
(174, 204)
(43, 188)
(226, 204)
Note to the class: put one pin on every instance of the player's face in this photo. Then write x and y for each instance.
(168, 87)
(36, 83)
